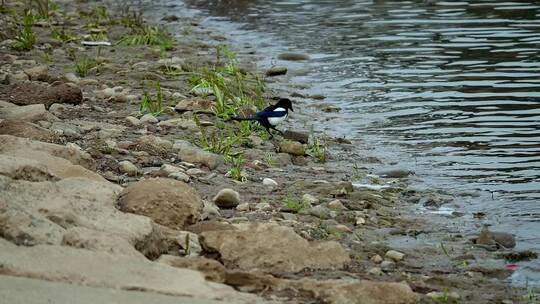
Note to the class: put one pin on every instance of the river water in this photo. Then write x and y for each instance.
(448, 89)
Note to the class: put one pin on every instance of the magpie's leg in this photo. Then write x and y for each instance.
(274, 128)
(268, 130)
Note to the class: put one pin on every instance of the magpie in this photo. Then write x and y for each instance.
(271, 116)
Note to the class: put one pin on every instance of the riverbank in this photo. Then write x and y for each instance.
(121, 170)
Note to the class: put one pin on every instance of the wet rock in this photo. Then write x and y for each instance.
(195, 105)
(272, 247)
(296, 136)
(128, 168)
(396, 173)
(84, 267)
(27, 93)
(270, 183)
(38, 73)
(148, 119)
(496, 239)
(227, 198)
(190, 153)
(169, 202)
(516, 256)
(212, 269)
(133, 121)
(292, 147)
(153, 145)
(293, 56)
(276, 71)
(80, 237)
(243, 207)
(394, 255)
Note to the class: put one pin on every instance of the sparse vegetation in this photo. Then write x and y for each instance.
(443, 298)
(63, 35)
(153, 105)
(317, 150)
(84, 64)
(236, 170)
(26, 38)
(294, 203)
(149, 35)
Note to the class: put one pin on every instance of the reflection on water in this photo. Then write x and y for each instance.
(456, 85)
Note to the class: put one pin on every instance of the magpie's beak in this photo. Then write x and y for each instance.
(292, 109)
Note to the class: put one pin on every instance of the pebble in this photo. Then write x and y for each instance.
(227, 198)
(394, 255)
(196, 172)
(269, 182)
(276, 70)
(263, 207)
(148, 118)
(289, 216)
(243, 207)
(134, 121)
(377, 259)
(106, 93)
(439, 294)
(360, 221)
(342, 228)
(181, 176)
(309, 199)
(292, 147)
(209, 210)
(293, 56)
(336, 205)
(39, 73)
(71, 77)
(57, 108)
(375, 271)
(127, 168)
(388, 265)
(320, 212)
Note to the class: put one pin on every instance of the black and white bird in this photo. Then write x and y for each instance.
(271, 116)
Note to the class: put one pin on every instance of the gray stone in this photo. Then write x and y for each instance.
(293, 56)
(394, 255)
(292, 147)
(243, 207)
(148, 119)
(133, 121)
(276, 71)
(270, 183)
(38, 73)
(190, 153)
(227, 198)
(127, 168)
(169, 202)
(264, 207)
(270, 247)
(71, 77)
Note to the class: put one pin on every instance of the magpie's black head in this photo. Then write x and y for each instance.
(285, 103)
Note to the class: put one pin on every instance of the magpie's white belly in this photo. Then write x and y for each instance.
(274, 121)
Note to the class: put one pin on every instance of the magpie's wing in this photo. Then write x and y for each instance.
(271, 114)
(270, 108)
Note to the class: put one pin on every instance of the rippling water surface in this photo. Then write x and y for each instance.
(449, 89)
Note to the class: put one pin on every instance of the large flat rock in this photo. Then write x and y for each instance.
(16, 290)
(88, 268)
(274, 248)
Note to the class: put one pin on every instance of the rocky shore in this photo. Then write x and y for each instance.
(123, 179)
